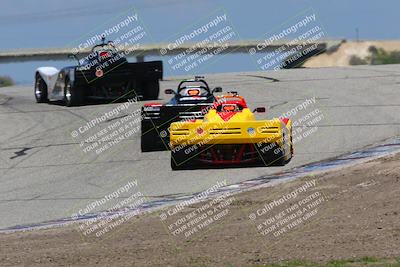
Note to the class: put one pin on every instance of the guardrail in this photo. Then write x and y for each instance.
(44, 54)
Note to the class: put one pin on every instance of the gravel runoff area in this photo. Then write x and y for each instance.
(351, 213)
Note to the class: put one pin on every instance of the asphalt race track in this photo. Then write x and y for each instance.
(46, 175)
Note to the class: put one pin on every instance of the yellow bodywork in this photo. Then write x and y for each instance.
(241, 128)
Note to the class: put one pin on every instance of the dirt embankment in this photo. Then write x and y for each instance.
(342, 56)
(351, 213)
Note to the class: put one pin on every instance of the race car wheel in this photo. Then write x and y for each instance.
(40, 89)
(280, 158)
(182, 159)
(291, 150)
(150, 138)
(148, 142)
(175, 166)
(145, 145)
(72, 95)
(151, 90)
(271, 154)
(179, 160)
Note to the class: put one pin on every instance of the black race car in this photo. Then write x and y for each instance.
(105, 73)
(189, 102)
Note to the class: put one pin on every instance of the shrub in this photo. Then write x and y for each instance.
(355, 60)
(380, 56)
(6, 81)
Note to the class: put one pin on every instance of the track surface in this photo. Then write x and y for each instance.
(45, 175)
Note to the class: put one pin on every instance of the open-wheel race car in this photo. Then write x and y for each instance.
(190, 101)
(230, 135)
(103, 74)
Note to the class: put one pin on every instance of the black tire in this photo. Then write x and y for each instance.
(280, 156)
(179, 166)
(280, 159)
(151, 90)
(174, 166)
(150, 139)
(148, 144)
(40, 89)
(180, 160)
(291, 149)
(274, 155)
(145, 144)
(73, 96)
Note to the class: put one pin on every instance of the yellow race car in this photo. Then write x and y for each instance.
(230, 135)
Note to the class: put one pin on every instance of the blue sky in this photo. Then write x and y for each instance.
(55, 23)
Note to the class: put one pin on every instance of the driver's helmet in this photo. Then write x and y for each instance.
(192, 92)
(229, 108)
(104, 54)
